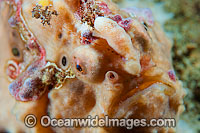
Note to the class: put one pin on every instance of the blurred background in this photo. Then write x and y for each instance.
(180, 19)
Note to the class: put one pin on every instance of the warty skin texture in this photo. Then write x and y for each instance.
(123, 77)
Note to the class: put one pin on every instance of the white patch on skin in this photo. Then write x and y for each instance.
(83, 28)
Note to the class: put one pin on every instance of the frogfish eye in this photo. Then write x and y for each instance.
(79, 68)
(15, 52)
(64, 61)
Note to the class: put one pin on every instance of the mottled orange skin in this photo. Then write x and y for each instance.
(122, 74)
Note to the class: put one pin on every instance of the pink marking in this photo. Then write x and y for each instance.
(104, 7)
(13, 69)
(143, 14)
(42, 53)
(18, 12)
(172, 75)
(117, 18)
(124, 23)
(34, 45)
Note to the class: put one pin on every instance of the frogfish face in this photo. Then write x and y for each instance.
(79, 58)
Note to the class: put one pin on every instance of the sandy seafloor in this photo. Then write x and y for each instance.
(161, 16)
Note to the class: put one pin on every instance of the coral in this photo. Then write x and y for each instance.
(94, 59)
(185, 29)
(186, 39)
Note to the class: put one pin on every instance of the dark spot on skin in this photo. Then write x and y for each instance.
(64, 61)
(54, 12)
(27, 48)
(14, 34)
(50, 87)
(29, 35)
(15, 52)
(112, 76)
(78, 67)
(60, 35)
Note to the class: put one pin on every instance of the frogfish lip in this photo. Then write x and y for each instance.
(37, 78)
(28, 86)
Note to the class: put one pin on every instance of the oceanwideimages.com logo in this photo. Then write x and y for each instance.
(46, 121)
